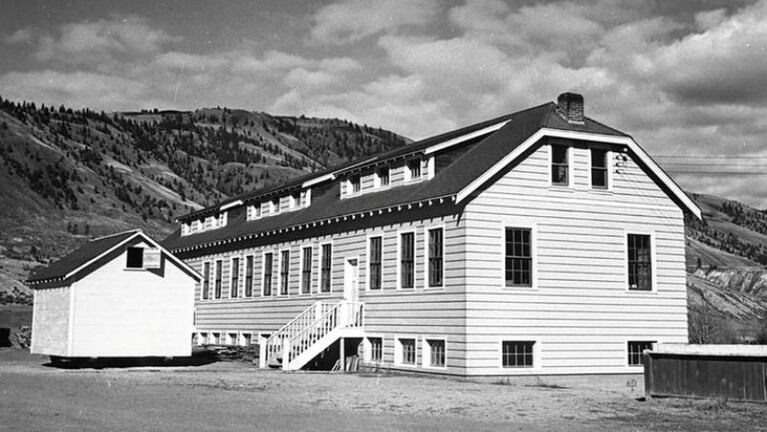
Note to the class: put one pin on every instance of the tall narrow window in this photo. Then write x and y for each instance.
(249, 276)
(407, 260)
(639, 262)
(414, 168)
(268, 266)
(306, 271)
(356, 183)
(205, 280)
(284, 272)
(217, 287)
(383, 176)
(436, 267)
(516, 354)
(559, 165)
(635, 350)
(519, 258)
(327, 259)
(234, 290)
(375, 263)
(599, 168)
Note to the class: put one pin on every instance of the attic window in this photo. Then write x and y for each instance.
(275, 205)
(135, 258)
(414, 168)
(355, 182)
(295, 200)
(383, 176)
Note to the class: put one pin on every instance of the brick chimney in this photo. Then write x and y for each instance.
(570, 107)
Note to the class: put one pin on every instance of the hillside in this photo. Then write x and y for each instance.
(68, 175)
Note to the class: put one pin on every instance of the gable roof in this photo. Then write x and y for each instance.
(81, 258)
(506, 135)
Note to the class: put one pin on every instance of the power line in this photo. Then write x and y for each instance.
(718, 157)
(717, 172)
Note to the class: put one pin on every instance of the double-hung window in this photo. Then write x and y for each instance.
(375, 263)
(268, 266)
(407, 260)
(235, 285)
(306, 271)
(639, 262)
(327, 259)
(436, 266)
(560, 165)
(517, 354)
(249, 276)
(519, 257)
(599, 168)
(217, 287)
(205, 280)
(284, 272)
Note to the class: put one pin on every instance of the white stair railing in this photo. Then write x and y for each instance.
(274, 344)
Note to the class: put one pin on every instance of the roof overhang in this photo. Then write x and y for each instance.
(627, 141)
(463, 138)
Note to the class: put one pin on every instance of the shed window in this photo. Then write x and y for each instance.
(516, 354)
(407, 260)
(639, 262)
(327, 259)
(519, 258)
(206, 280)
(234, 290)
(284, 272)
(217, 293)
(135, 257)
(599, 168)
(559, 165)
(635, 350)
(375, 263)
(435, 257)
(306, 271)
(268, 264)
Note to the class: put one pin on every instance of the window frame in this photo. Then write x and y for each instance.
(409, 171)
(206, 280)
(522, 223)
(608, 172)
(264, 273)
(520, 370)
(653, 261)
(248, 287)
(399, 351)
(427, 256)
(232, 276)
(368, 348)
(569, 155)
(302, 276)
(286, 277)
(378, 178)
(399, 260)
(627, 352)
(426, 352)
(354, 184)
(320, 285)
(218, 276)
(368, 261)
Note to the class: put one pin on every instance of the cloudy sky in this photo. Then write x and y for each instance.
(688, 79)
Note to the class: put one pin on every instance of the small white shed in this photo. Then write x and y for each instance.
(122, 295)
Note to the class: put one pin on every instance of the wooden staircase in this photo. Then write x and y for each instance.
(311, 332)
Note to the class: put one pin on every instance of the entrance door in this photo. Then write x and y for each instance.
(351, 280)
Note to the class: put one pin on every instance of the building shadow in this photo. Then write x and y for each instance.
(198, 358)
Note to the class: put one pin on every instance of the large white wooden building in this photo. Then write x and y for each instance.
(121, 295)
(540, 242)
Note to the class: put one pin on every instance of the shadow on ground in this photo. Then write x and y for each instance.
(198, 358)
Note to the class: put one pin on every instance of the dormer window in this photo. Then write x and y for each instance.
(275, 206)
(185, 228)
(254, 211)
(355, 183)
(382, 177)
(222, 219)
(295, 200)
(414, 168)
(306, 198)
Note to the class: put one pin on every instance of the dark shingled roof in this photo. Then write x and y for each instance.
(447, 182)
(80, 256)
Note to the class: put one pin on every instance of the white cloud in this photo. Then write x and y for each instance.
(19, 36)
(353, 20)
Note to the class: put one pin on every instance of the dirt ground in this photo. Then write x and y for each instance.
(237, 397)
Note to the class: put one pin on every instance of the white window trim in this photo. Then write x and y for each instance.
(228, 337)
(399, 261)
(211, 278)
(516, 222)
(279, 273)
(426, 352)
(301, 272)
(626, 341)
(242, 337)
(231, 276)
(367, 348)
(426, 270)
(200, 339)
(213, 292)
(398, 351)
(570, 180)
(251, 211)
(653, 261)
(609, 154)
(430, 172)
(319, 268)
(244, 265)
(263, 273)
(367, 260)
(520, 370)
(408, 175)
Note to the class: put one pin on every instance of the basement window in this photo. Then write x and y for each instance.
(635, 350)
(517, 354)
(135, 258)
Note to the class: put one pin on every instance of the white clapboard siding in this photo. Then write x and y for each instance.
(51, 321)
(579, 313)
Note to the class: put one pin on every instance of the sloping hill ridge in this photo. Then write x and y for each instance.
(68, 175)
